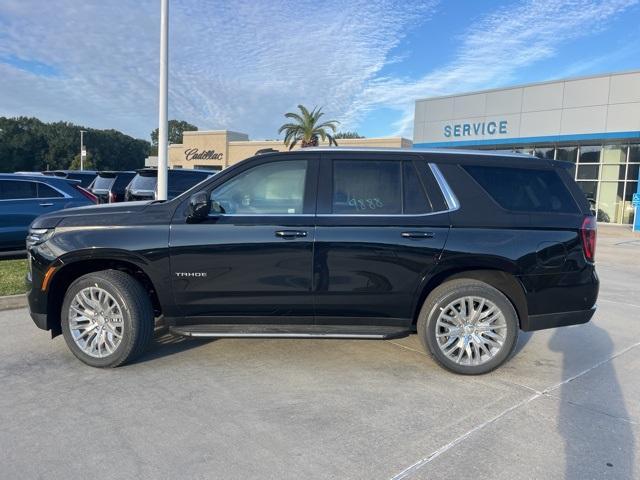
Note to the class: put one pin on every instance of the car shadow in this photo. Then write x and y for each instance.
(523, 339)
(165, 343)
(572, 418)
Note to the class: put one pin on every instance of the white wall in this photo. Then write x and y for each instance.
(599, 104)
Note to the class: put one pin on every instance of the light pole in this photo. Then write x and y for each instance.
(83, 152)
(163, 140)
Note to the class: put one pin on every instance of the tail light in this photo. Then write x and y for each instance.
(588, 232)
(87, 193)
(112, 197)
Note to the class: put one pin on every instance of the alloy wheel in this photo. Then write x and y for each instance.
(95, 322)
(470, 330)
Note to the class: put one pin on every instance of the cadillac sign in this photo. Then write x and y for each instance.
(195, 154)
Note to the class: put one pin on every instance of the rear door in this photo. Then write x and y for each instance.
(382, 223)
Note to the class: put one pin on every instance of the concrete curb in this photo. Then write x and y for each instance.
(11, 302)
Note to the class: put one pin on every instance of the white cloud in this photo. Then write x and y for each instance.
(234, 64)
(492, 52)
(241, 64)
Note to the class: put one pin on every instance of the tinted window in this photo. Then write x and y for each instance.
(45, 191)
(122, 180)
(525, 190)
(272, 188)
(415, 199)
(367, 187)
(103, 183)
(144, 182)
(182, 181)
(16, 190)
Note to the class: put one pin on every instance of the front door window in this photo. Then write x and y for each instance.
(276, 188)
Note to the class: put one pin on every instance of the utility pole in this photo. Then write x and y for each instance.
(83, 152)
(163, 127)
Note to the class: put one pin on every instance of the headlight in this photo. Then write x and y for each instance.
(39, 235)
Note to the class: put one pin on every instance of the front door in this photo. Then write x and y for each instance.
(382, 224)
(251, 260)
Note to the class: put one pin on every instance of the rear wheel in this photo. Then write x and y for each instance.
(468, 326)
(107, 318)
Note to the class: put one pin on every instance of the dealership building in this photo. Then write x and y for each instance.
(218, 149)
(593, 122)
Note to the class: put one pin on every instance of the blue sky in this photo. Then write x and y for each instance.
(241, 64)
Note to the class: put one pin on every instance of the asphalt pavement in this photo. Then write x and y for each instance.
(565, 406)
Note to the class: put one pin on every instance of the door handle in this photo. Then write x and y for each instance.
(291, 233)
(417, 234)
(46, 204)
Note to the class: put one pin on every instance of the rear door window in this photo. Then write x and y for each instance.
(17, 190)
(379, 187)
(523, 189)
(364, 187)
(45, 191)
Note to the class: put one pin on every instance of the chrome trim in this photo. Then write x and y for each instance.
(277, 335)
(449, 196)
(215, 215)
(417, 150)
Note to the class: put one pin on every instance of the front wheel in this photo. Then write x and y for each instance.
(107, 318)
(468, 326)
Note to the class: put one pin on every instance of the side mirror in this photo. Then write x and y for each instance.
(199, 206)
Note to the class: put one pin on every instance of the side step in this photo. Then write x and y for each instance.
(291, 331)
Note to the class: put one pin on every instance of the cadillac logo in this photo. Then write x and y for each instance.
(195, 154)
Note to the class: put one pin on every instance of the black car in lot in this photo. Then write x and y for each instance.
(143, 185)
(109, 186)
(23, 197)
(85, 177)
(466, 248)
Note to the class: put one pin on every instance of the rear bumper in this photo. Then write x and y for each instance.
(553, 320)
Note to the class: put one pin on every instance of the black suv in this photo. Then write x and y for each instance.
(465, 247)
(109, 187)
(143, 185)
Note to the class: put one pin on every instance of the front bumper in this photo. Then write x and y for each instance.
(563, 319)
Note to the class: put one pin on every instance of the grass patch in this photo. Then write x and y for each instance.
(12, 274)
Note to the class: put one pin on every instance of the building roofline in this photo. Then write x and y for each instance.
(525, 85)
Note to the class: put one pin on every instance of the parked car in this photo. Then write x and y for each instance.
(466, 248)
(109, 187)
(84, 176)
(144, 184)
(24, 197)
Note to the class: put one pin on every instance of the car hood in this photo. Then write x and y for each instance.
(105, 214)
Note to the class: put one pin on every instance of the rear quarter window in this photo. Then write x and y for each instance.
(524, 190)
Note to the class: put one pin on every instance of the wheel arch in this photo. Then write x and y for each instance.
(505, 282)
(72, 269)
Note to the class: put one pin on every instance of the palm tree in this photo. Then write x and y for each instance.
(307, 129)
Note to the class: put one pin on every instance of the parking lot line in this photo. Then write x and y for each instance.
(546, 392)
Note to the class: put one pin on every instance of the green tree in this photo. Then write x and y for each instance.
(31, 145)
(307, 129)
(88, 163)
(176, 129)
(348, 134)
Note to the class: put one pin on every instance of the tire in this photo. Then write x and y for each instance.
(477, 337)
(125, 329)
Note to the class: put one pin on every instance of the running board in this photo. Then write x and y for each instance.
(291, 331)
